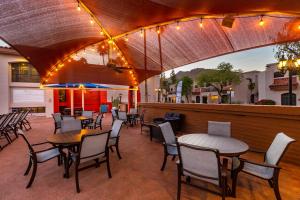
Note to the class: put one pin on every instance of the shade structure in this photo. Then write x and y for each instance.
(48, 32)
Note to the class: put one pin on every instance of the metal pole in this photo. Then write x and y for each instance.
(229, 96)
(82, 99)
(290, 88)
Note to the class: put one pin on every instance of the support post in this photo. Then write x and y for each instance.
(72, 102)
(135, 99)
(145, 65)
(290, 88)
(82, 99)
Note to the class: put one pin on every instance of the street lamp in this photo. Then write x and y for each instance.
(230, 90)
(290, 65)
(158, 94)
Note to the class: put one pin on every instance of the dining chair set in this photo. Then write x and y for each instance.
(86, 120)
(91, 148)
(10, 123)
(129, 119)
(199, 162)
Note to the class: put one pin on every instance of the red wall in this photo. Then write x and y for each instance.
(92, 100)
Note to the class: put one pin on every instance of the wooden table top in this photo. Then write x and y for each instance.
(83, 118)
(71, 137)
(227, 146)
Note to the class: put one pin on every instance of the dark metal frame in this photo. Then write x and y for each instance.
(97, 162)
(33, 158)
(273, 181)
(116, 145)
(222, 171)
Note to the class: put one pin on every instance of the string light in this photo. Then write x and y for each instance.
(110, 41)
(177, 26)
(201, 23)
(299, 26)
(69, 60)
(261, 22)
(101, 32)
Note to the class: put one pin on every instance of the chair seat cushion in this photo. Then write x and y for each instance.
(46, 155)
(260, 171)
(172, 149)
(112, 141)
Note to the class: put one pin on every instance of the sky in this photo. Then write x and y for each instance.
(254, 59)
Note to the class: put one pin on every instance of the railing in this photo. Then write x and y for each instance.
(256, 125)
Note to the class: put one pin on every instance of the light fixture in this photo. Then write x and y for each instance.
(41, 86)
(201, 23)
(92, 21)
(101, 32)
(228, 21)
(299, 27)
(261, 22)
(118, 54)
(56, 69)
(126, 38)
(130, 72)
(158, 30)
(177, 25)
(142, 33)
(78, 7)
(110, 41)
(69, 60)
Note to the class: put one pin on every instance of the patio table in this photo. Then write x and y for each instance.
(69, 139)
(227, 146)
(84, 120)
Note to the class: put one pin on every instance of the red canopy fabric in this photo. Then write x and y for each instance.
(46, 31)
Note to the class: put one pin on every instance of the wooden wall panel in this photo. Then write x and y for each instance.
(256, 125)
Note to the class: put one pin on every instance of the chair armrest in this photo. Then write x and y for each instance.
(45, 149)
(260, 164)
(224, 167)
(257, 151)
(40, 143)
(173, 145)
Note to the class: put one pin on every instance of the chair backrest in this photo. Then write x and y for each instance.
(57, 117)
(70, 125)
(25, 114)
(116, 128)
(114, 113)
(21, 133)
(122, 115)
(278, 148)
(7, 120)
(88, 114)
(133, 111)
(168, 133)
(93, 146)
(201, 162)
(99, 118)
(219, 128)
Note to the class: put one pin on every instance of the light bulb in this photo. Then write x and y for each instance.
(299, 27)
(78, 7)
(126, 38)
(177, 26)
(92, 21)
(158, 30)
(142, 33)
(261, 22)
(101, 32)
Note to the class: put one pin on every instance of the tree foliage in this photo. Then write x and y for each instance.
(187, 86)
(288, 50)
(173, 77)
(219, 78)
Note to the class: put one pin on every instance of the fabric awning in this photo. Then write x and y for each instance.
(48, 31)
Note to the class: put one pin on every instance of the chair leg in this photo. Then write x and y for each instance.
(178, 183)
(224, 188)
(111, 149)
(164, 162)
(28, 168)
(33, 174)
(276, 185)
(108, 167)
(77, 177)
(173, 158)
(97, 163)
(118, 152)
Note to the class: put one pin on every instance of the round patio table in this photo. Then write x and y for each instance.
(70, 138)
(227, 146)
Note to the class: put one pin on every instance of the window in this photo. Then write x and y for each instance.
(32, 109)
(24, 72)
(62, 95)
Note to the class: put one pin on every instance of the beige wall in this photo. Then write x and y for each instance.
(152, 83)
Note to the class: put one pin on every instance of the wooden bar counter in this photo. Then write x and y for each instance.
(254, 124)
